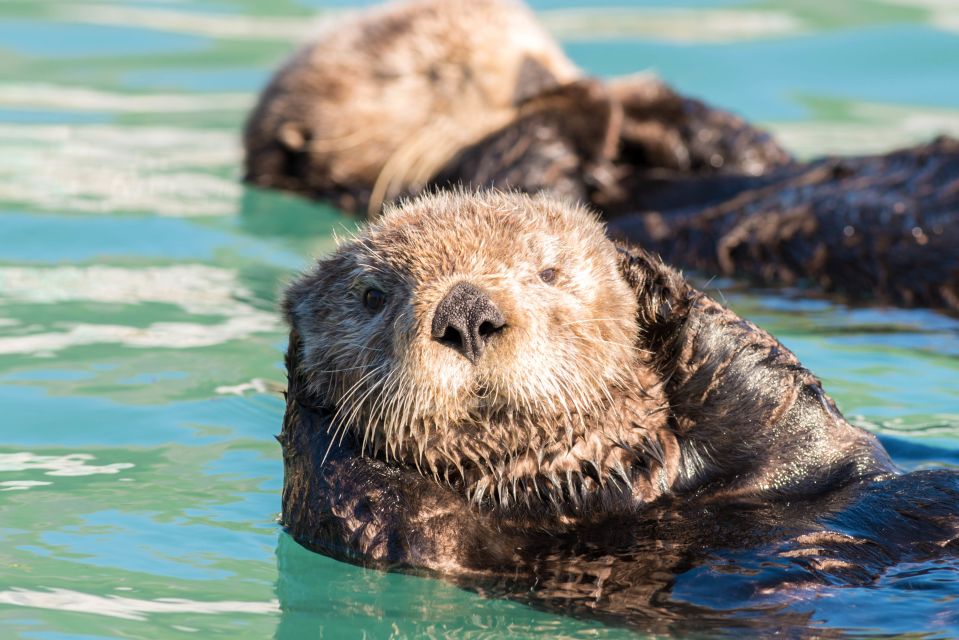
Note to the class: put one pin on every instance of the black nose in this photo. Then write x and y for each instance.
(466, 320)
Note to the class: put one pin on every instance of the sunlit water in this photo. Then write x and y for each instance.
(139, 346)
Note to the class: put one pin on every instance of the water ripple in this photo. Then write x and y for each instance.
(105, 169)
(73, 464)
(128, 608)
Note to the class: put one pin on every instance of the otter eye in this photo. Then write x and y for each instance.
(548, 276)
(374, 299)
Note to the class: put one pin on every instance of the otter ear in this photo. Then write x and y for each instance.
(300, 395)
(293, 137)
(300, 297)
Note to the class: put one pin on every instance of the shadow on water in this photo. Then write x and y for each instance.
(718, 570)
(912, 454)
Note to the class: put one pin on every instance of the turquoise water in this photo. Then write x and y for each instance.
(140, 349)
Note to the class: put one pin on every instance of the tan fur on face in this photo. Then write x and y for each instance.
(387, 97)
(561, 400)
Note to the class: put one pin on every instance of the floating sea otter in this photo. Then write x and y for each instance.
(380, 102)
(485, 386)
(431, 92)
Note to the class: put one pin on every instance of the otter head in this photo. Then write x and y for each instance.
(486, 339)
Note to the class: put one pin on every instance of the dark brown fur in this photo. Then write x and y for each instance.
(562, 142)
(666, 136)
(882, 228)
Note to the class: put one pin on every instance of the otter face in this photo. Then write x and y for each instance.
(470, 331)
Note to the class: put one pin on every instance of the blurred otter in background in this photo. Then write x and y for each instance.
(380, 102)
(432, 92)
(424, 92)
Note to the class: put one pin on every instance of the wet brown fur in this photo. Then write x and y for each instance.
(881, 228)
(614, 387)
(748, 477)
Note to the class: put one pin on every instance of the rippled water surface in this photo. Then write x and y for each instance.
(140, 350)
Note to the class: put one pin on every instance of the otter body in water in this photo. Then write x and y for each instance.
(503, 349)
(485, 387)
(880, 228)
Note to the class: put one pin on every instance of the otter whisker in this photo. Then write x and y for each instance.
(359, 407)
(359, 345)
(392, 392)
(404, 397)
(409, 402)
(595, 380)
(337, 422)
(554, 394)
(400, 413)
(381, 406)
(594, 340)
(345, 398)
(344, 369)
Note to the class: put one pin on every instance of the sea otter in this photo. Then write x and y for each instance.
(429, 92)
(424, 92)
(484, 387)
(503, 348)
(380, 101)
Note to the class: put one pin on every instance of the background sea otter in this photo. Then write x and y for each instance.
(381, 101)
(430, 92)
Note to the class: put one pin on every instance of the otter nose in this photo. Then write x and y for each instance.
(466, 320)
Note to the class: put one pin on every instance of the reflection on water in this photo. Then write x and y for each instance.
(73, 464)
(363, 603)
(109, 169)
(59, 97)
(197, 290)
(127, 608)
(674, 25)
(140, 349)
